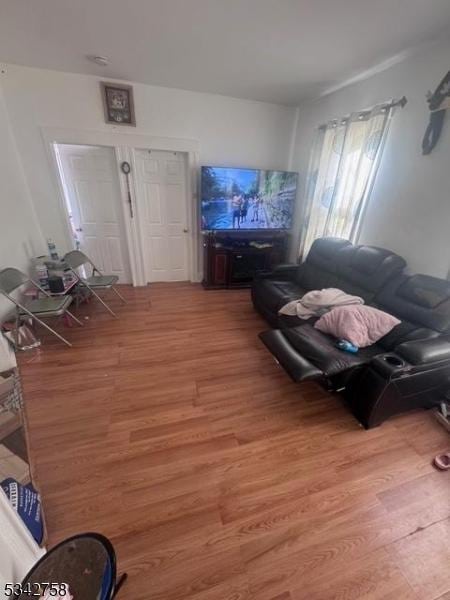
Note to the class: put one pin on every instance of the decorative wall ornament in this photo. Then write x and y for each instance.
(438, 103)
(126, 170)
(118, 103)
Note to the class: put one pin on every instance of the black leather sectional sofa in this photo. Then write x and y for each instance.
(408, 368)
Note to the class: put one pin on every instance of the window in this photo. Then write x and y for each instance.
(341, 172)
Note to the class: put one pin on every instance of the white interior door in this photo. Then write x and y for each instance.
(162, 208)
(92, 186)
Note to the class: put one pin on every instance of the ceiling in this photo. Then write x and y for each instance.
(281, 51)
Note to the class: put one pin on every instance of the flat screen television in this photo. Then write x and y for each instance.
(246, 199)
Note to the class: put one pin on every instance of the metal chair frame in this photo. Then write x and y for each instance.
(23, 279)
(76, 259)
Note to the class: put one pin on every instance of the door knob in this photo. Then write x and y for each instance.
(185, 230)
(79, 229)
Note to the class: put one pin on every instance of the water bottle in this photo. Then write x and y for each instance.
(41, 272)
(52, 249)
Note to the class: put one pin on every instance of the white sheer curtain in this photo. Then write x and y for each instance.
(342, 167)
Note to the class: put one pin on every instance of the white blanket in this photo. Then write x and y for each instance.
(318, 302)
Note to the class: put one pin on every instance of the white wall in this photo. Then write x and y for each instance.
(20, 235)
(409, 211)
(229, 131)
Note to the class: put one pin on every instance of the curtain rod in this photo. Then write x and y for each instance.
(392, 104)
(402, 102)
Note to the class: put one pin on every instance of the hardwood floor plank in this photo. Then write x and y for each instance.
(374, 577)
(233, 588)
(424, 558)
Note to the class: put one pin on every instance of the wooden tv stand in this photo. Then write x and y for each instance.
(232, 258)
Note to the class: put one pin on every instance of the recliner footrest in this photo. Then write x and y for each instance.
(299, 368)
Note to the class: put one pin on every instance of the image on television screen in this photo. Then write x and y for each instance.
(246, 199)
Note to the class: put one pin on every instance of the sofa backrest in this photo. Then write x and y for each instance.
(364, 270)
(359, 270)
(421, 302)
(320, 264)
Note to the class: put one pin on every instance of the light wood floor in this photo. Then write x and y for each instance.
(173, 432)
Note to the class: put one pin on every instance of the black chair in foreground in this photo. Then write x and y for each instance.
(82, 567)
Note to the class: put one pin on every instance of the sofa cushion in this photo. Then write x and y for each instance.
(425, 291)
(406, 332)
(323, 252)
(358, 270)
(320, 350)
(277, 293)
(320, 264)
(284, 321)
(363, 270)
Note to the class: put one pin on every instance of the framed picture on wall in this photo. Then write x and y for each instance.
(118, 103)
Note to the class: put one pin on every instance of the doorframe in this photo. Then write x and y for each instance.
(124, 145)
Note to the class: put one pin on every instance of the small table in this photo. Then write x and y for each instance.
(82, 567)
(33, 292)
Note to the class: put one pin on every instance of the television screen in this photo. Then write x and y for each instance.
(233, 199)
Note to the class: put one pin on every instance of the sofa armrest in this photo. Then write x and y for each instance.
(422, 352)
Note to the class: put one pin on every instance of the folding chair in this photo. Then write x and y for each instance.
(76, 259)
(36, 308)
